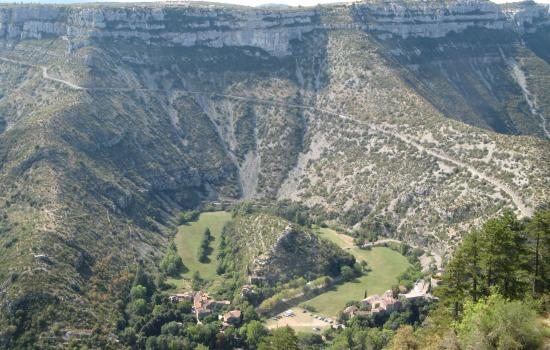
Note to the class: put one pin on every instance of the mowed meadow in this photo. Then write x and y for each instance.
(385, 264)
(188, 240)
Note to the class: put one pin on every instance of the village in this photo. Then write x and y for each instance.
(204, 305)
(302, 319)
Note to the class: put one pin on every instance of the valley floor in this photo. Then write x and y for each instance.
(188, 240)
(385, 265)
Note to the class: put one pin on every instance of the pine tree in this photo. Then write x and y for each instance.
(470, 249)
(454, 287)
(539, 233)
(504, 254)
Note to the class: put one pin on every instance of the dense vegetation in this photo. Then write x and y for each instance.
(490, 297)
(493, 289)
(172, 264)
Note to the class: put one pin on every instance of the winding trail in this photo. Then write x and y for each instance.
(525, 211)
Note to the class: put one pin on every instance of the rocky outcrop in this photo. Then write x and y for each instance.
(184, 26)
(434, 19)
(526, 16)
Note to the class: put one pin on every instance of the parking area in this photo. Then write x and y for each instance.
(301, 320)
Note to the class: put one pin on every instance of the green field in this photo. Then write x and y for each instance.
(386, 265)
(188, 240)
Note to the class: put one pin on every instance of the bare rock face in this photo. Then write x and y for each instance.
(270, 30)
(526, 16)
(166, 26)
(433, 19)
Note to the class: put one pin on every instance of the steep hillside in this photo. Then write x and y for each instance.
(112, 118)
(268, 249)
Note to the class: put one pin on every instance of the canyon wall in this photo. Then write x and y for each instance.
(267, 29)
(162, 25)
(433, 19)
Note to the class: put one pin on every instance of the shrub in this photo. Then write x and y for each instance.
(172, 264)
(138, 292)
(188, 216)
(496, 323)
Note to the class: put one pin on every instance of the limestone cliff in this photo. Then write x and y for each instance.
(162, 25)
(269, 29)
(436, 19)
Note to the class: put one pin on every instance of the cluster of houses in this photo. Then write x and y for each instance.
(374, 304)
(387, 303)
(204, 305)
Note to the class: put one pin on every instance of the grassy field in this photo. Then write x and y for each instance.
(188, 239)
(385, 263)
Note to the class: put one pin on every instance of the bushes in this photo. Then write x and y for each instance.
(138, 292)
(138, 307)
(347, 273)
(496, 323)
(187, 216)
(172, 264)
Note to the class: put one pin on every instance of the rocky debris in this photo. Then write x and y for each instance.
(42, 258)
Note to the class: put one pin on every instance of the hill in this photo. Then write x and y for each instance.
(267, 249)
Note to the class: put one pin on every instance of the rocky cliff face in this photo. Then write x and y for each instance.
(167, 26)
(270, 30)
(437, 19)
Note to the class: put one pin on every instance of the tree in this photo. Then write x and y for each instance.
(138, 307)
(138, 292)
(187, 216)
(503, 254)
(404, 339)
(455, 283)
(196, 281)
(204, 248)
(463, 273)
(347, 273)
(281, 339)
(471, 255)
(208, 235)
(255, 330)
(495, 323)
(172, 264)
(539, 233)
(143, 278)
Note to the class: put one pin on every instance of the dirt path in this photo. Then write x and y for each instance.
(522, 207)
(525, 211)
